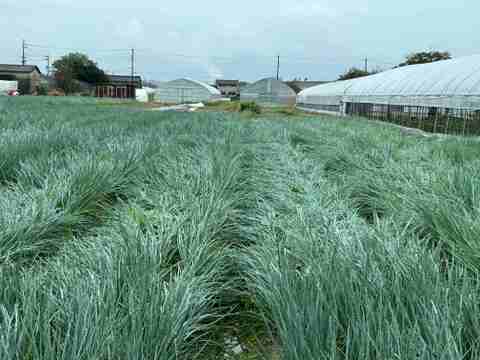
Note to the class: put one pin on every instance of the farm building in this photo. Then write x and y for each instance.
(119, 86)
(268, 91)
(27, 76)
(185, 91)
(228, 88)
(441, 97)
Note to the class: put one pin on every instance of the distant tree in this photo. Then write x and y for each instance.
(75, 67)
(425, 57)
(353, 73)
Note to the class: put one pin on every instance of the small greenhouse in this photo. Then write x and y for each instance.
(185, 91)
(443, 96)
(268, 91)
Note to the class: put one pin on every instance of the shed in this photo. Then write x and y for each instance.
(269, 91)
(228, 88)
(27, 76)
(119, 86)
(185, 91)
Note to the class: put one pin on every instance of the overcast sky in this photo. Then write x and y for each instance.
(318, 39)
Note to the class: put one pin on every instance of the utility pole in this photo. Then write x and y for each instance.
(133, 71)
(24, 58)
(278, 66)
(366, 65)
(47, 59)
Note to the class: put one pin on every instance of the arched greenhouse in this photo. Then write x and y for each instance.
(440, 97)
(185, 91)
(268, 91)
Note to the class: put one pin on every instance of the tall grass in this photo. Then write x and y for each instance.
(163, 236)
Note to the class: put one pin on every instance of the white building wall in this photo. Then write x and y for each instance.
(7, 86)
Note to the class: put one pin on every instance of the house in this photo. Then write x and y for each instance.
(27, 76)
(228, 88)
(299, 85)
(119, 86)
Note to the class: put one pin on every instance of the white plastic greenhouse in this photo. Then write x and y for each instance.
(442, 96)
(185, 91)
(446, 84)
(268, 91)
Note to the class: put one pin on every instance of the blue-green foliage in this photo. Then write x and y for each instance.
(147, 235)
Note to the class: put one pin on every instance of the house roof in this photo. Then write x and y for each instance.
(227, 82)
(121, 78)
(26, 69)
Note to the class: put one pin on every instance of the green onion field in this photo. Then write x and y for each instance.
(134, 234)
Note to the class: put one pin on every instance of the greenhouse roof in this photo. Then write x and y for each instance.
(457, 77)
(210, 89)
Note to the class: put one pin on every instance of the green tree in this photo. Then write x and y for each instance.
(75, 67)
(353, 73)
(425, 57)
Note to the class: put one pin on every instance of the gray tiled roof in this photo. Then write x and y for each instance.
(18, 68)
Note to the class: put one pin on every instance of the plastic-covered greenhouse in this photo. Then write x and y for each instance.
(441, 97)
(186, 91)
(268, 91)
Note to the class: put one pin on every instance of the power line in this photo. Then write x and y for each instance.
(92, 50)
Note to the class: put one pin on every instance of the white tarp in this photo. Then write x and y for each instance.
(142, 94)
(7, 86)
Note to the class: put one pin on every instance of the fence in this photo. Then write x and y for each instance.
(429, 119)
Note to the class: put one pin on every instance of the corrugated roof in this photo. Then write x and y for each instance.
(121, 78)
(227, 82)
(18, 68)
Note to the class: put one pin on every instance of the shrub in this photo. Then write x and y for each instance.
(42, 90)
(250, 106)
